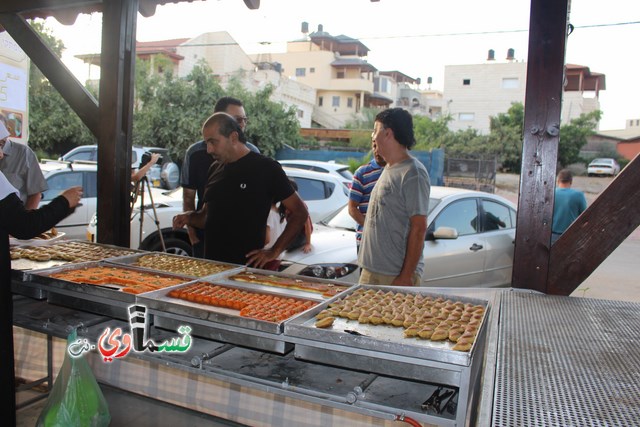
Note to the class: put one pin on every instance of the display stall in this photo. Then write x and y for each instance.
(260, 351)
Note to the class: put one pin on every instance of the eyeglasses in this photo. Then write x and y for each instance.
(240, 119)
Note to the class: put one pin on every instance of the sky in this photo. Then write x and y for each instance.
(415, 37)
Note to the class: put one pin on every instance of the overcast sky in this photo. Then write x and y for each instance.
(416, 37)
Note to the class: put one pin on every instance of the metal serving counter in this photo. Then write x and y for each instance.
(538, 360)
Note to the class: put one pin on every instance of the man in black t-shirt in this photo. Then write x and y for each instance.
(195, 170)
(241, 187)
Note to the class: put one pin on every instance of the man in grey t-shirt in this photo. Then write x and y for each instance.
(396, 222)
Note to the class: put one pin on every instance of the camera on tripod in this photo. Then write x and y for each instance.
(146, 158)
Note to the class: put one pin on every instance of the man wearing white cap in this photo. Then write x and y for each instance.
(19, 165)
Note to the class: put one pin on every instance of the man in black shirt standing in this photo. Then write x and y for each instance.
(195, 170)
(241, 187)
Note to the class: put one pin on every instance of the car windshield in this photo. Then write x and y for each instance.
(602, 161)
(346, 173)
(341, 218)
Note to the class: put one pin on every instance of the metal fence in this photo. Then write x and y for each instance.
(473, 174)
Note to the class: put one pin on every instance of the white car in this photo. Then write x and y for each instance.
(322, 193)
(164, 174)
(338, 170)
(459, 250)
(62, 175)
(601, 167)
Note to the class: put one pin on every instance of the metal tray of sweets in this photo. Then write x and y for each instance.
(383, 348)
(218, 323)
(176, 264)
(107, 299)
(336, 287)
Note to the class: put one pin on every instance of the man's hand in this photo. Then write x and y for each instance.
(260, 257)
(73, 196)
(402, 281)
(181, 220)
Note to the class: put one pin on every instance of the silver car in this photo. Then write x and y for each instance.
(470, 242)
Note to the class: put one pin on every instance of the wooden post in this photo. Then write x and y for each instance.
(545, 70)
(116, 112)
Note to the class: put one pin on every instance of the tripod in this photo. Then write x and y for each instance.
(138, 191)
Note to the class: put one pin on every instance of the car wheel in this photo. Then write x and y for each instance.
(174, 245)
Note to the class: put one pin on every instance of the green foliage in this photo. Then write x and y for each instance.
(271, 124)
(574, 136)
(505, 139)
(54, 128)
(354, 164)
(169, 111)
(431, 133)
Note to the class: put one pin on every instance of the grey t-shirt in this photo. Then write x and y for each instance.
(402, 191)
(20, 166)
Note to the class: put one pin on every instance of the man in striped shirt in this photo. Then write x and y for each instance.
(363, 182)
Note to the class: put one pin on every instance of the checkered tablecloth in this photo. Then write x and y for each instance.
(234, 402)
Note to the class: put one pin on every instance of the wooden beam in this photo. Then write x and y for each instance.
(116, 113)
(78, 98)
(610, 219)
(545, 67)
(26, 6)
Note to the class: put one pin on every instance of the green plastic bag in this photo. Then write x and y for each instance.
(76, 399)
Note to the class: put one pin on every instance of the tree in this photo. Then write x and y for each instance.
(430, 133)
(54, 128)
(271, 125)
(574, 136)
(169, 111)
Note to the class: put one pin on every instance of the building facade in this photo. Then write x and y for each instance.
(474, 93)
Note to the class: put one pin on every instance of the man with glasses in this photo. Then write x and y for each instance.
(196, 167)
(20, 165)
(240, 191)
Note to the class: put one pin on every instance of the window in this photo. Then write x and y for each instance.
(510, 83)
(319, 101)
(350, 102)
(300, 72)
(300, 114)
(312, 189)
(460, 215)
(466, 117)
(312, 70)
(340, 75)
(496, 216)
(61, 181)
(335, 101)
(83, 155)
(466, 82)
(384, 86)
(90, 188)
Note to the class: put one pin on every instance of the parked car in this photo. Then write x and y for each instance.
(59, 177)
(603, 167)
(164, 174)
(459, 251)
(339, 170)
(322, 193)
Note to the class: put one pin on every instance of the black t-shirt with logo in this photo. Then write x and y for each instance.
(239, 196)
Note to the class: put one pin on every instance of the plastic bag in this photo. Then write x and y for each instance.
(76, 398)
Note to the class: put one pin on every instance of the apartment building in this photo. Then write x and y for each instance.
(336, 67)
(473, 93)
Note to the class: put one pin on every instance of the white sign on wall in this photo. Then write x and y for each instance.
(14, 88)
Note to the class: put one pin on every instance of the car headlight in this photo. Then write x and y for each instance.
(328, 271)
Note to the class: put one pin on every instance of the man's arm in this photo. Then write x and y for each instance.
(355, 212)
(33, 201)
(142, 172)
(189, 204)
(191, 218)
(415, 243)
(295, 221)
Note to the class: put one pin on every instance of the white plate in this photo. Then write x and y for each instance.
(36, 242)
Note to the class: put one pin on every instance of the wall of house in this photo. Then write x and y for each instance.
(218, 49)
(342, 112)
(475, 92)
(629, 149)
(317, 71)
